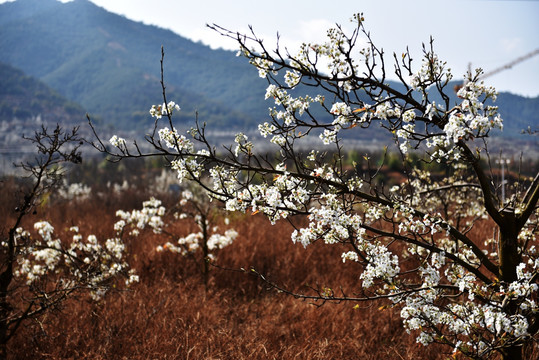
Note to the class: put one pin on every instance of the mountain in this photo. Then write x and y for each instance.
(111, 66)
(26, 104)
(518, 113)
(25, 97)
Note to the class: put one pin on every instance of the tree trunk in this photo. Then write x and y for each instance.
(5, 280)
(512, 353)
(508, 248)
(509, 260)
(206, 253)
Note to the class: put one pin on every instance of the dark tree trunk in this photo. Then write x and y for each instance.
(509, 260)
(206, 253)
(5, 280)
(512, 353)
(508, 248)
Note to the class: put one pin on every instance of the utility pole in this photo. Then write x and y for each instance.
(503, 162)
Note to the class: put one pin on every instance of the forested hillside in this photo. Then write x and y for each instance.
(27, 103)
(111, 66)
(23, 97)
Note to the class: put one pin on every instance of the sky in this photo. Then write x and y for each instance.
(484, 33)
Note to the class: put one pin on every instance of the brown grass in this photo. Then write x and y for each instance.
(169, 315)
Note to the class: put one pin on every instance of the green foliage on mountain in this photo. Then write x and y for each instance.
(23, 97)
(111, 66)
(518, 113)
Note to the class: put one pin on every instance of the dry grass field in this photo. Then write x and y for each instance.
(170, 315)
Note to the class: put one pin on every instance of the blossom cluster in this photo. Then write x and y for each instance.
(487, 323)
(264, 66)
(331, 222)
(472, 118)
(284, 192)
(285, 119)
(243, 145)
(187, 168)
(192, 242)
(196, 206)
(74, 191)
(173, 140)
(432, 70)
(118, 142)
(469, 119)
(80, 263)
(150, 215)
(333, 55)
(159, 111)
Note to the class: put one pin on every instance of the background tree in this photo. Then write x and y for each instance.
(415, 243)
(195, 205)
(39, 271)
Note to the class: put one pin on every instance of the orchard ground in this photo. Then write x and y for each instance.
(170, 315)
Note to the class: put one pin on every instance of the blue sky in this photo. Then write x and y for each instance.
(487, 34)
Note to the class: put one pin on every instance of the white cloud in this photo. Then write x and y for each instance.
(511, 45)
